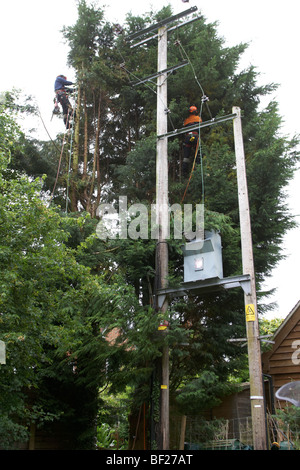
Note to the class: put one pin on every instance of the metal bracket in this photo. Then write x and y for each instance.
(161, 23)
(183, 130)
(155, 75)
(161, 300)
(173, 28)
(245, 284)
(261, 338)
(207, 285)
(237, 340)
(266, 340)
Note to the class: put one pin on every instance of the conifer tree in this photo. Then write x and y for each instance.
(213, 319)
(114, 154)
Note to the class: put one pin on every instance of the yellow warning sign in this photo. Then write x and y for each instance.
(250, 312)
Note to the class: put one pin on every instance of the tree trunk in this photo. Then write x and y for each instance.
(90, 205)
(76, 121)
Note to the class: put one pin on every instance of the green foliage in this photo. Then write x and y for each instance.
(113, 416)
(106, 438)
(53, 315)
(204, 432)
(10, 132)
(269, 327)
(84, 37)
(203, 393)
(288, 421)
(64, 291)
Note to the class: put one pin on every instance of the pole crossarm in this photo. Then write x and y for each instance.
(173, 28)
(161, 23)
(244, 340)
(211, 122)
(155, 75)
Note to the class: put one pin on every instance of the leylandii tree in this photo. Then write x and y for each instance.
(270, 159)
(126, 163)
(91, 54)
(114, 155)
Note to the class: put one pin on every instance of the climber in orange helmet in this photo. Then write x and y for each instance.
(191, 138)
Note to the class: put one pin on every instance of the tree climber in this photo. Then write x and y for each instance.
(191, 138)
(62, 97)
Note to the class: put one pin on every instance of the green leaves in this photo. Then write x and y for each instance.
(64, 292)
(84, 36)
(51, 307)
(203, 393)
(9, 133)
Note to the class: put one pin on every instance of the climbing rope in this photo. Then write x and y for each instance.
(69, 168)
(54, 144)
(123, 66)
(59, 163)
(204, 99)
(191, 173)
(59, 150)
(64, 142)
(185, 55)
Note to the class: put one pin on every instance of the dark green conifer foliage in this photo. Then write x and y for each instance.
(116, 155)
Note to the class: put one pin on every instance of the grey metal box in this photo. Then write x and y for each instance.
(203, 258)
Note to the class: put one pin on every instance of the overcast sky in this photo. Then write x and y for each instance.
(33, 54)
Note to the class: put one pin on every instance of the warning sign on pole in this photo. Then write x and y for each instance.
(250, 312)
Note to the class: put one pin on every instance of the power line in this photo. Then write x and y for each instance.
(204, 97)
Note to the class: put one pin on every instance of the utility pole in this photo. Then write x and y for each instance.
(162, 200)
(162, 256)
(254, 352)
(162, 208)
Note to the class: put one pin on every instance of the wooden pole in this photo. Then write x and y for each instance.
(162, 221)
(252, 327)
(182, 432)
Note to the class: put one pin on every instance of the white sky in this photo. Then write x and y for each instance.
(33, 53)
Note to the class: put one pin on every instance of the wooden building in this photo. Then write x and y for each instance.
(282, 361)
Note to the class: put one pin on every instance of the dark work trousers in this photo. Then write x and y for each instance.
(189, 147)
(63, 99)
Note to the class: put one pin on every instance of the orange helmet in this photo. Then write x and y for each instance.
(193, 109)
